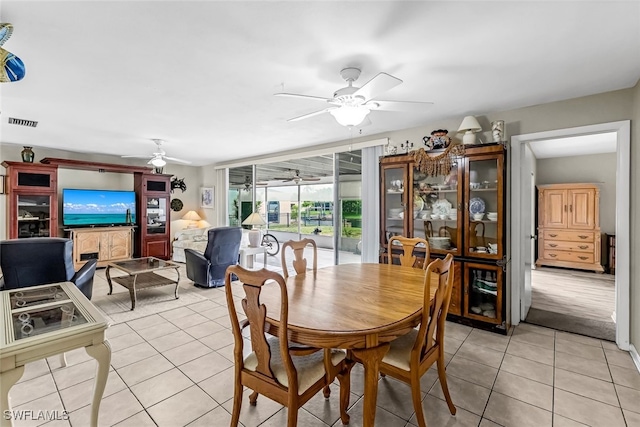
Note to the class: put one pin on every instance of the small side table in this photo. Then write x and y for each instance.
(247, 256)
(42, 321)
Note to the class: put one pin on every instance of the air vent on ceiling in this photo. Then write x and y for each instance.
(22, 122)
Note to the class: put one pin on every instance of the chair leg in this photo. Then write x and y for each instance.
(237, 403)
(442, 376)
(344, 377)
(416, 397)
(326, 391)
(253, 397)
(292, 416)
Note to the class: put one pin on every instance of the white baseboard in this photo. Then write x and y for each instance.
(635, 356)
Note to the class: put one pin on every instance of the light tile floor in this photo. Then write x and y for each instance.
(175, 368)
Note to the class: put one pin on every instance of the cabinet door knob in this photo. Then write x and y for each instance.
(582, 237)
(583, 246)
(553, 235)
(553, 245)
(553, 255)
(583, 257)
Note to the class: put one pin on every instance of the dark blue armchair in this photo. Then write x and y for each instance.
(42, 260)
(223, 248)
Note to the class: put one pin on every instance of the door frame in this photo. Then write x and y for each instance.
(623, 215)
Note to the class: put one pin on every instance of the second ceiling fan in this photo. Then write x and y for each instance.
(297, 178)
(351, 105)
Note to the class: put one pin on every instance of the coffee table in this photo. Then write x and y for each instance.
(141, 274)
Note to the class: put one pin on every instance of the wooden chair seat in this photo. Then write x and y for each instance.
(310, 369)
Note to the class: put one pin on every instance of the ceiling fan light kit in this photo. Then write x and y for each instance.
(350, 116)
(469, 126)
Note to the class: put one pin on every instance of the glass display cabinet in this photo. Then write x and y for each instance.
(153, 213)
(462, 212)
(32, 208)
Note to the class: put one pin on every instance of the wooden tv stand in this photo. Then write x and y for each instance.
(106, 244)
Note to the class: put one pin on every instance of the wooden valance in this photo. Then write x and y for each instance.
(439, 164)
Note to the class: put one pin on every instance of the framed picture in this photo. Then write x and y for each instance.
(206, 197)
(2, 184)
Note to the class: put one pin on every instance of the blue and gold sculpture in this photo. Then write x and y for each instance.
(12, 67)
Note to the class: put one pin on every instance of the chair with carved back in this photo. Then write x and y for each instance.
(411, 355)
(407, 246)
(288, 373)
(299, 262)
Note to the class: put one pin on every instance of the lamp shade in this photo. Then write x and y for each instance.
(192, 216)
(158, 162)
(470, 123)
(254, 219)
(349, 115)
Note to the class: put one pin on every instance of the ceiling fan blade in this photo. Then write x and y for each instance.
(399, 105)
(295, 95)
(316, 113)
(310, 179)
(377, 85)
(138, 157)
(173, 159)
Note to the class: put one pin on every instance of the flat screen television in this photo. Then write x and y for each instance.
(84, 208)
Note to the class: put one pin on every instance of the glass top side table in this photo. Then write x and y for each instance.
(42, 321)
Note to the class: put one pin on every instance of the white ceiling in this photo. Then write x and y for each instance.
(106, 77)
(583, 145)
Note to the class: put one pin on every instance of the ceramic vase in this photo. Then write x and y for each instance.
(497, 129)
(27, 155)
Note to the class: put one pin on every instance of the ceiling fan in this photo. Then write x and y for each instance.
(297, 178)
(351, 105)
(159, 157)
(247, 183)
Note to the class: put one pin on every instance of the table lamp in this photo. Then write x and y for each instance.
(470, 126)
(254, 234)
(193, 217)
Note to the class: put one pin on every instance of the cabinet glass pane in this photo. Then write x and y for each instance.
(394, 202)
(34, 216)
(484, 215)
(156, 215)
(483, 293)
(435, 210)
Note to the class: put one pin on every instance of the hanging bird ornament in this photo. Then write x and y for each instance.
(12, 68)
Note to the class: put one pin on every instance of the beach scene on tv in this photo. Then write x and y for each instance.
(98, 207)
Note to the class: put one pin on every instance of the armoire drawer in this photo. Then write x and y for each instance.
(569, 256)
(573, 236)
(559, 245)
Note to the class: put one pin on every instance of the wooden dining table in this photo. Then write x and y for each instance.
(360, 307)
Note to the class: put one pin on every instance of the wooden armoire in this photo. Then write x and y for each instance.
(569, 226)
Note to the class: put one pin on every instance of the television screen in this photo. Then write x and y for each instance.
(98, 207)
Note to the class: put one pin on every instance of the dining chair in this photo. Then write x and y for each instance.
(283, 371)
(407, 245)
(300, 262)
(411, 355)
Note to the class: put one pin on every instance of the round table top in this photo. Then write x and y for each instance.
(349, 301)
